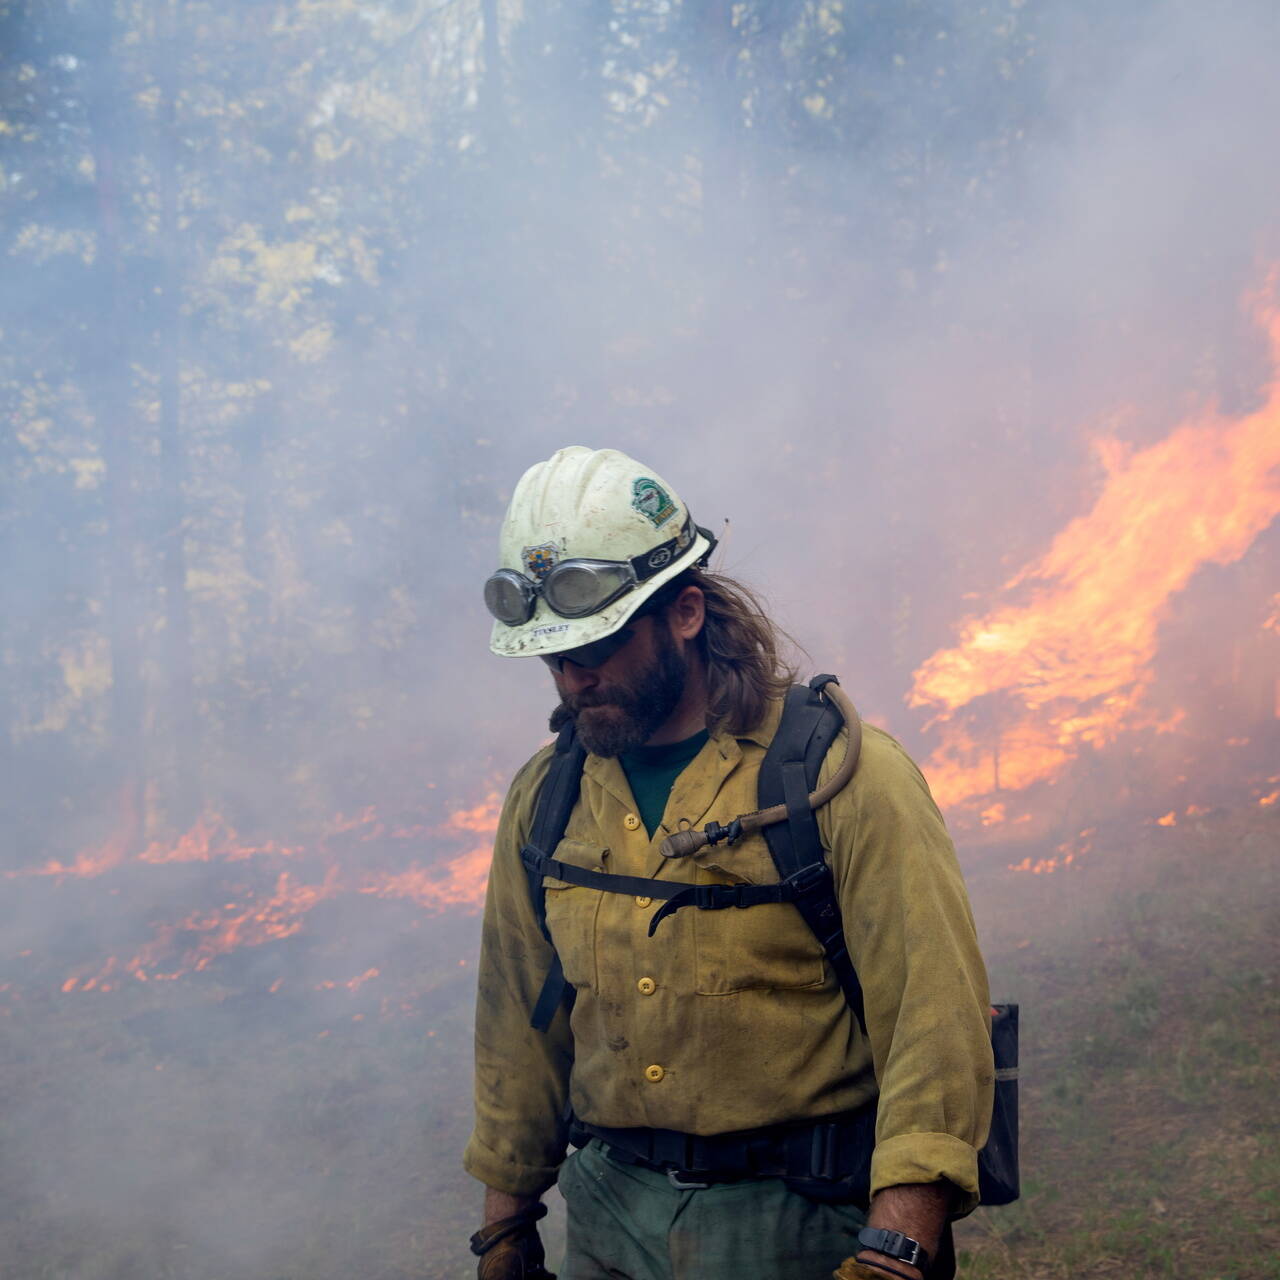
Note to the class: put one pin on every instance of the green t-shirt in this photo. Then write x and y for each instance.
(652, 772)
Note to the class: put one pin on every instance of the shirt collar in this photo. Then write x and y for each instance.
(761, 733)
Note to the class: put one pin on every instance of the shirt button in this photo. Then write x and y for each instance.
(646, 986)
(631, 822)
(654, 1074)
(644, 902)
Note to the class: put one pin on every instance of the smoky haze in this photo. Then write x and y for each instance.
(292, 295)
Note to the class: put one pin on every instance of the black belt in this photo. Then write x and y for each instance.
(832, 1154)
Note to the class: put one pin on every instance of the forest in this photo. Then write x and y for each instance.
(957, 320)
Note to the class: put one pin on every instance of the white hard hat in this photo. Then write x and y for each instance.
(594, 533)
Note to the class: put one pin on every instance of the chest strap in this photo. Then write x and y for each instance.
(539, 864)
(809, 883)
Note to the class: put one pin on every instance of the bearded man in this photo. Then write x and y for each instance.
(725, 1096)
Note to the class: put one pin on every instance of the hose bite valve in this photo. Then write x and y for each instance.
(681, 844)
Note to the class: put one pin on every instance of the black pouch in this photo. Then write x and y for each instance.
(998, 1160)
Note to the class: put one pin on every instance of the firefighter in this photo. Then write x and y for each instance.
(718, 1085)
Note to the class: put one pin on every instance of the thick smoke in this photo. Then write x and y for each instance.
(314, 284)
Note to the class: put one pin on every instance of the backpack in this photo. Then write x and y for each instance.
(788, 773)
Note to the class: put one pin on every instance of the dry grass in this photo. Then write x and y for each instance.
(1150, 1059)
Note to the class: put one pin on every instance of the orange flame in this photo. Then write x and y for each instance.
(104, 857)
(462, 880)
(1072, 649)
(1041, 866)
(201, 937)
(1272, 621)
(352, 984)
(209, 840)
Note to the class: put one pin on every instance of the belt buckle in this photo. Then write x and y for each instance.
(677, 1179)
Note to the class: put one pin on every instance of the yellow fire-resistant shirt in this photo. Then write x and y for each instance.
(729, 1020)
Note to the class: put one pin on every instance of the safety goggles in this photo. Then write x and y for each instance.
(578, 588)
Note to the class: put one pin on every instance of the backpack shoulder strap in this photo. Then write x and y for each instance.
(788, 773)
(556, 799)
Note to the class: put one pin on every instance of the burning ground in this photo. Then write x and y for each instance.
(1145, 968)
(277, 888)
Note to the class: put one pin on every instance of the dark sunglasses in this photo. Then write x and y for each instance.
(592, 655)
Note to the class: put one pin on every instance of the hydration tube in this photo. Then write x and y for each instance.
(681, 844)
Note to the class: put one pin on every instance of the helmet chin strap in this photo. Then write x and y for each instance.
(721, 543)
(712, 542)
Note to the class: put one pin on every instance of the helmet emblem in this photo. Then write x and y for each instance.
(659, 557)
(650, 499)
(539, 561)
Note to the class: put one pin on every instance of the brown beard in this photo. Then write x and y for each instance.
(637, 705)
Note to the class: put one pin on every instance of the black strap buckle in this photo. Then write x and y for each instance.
(808, 879)
(722, 896)
(895, 1245)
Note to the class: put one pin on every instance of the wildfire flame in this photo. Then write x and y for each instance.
(1071, 650)
(114, 852)
(1272, 622)
(195, 941)
(461, 881)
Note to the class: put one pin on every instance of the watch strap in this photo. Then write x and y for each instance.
(895, 1244)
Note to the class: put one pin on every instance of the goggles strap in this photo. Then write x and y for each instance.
(657, 558)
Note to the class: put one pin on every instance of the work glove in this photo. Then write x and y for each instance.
(510, 1249)
(852, 1269)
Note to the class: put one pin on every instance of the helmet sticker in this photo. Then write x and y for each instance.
(539, 561)
(650, 499)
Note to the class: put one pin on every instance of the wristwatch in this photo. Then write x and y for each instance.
(896, 1245)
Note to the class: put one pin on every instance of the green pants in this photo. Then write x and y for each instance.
(630, 1223)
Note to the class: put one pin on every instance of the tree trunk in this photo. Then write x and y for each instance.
(721, 120)
(111, 378)
(492, 113)
(185, 798)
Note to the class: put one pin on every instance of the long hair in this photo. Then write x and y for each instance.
(741, 646)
